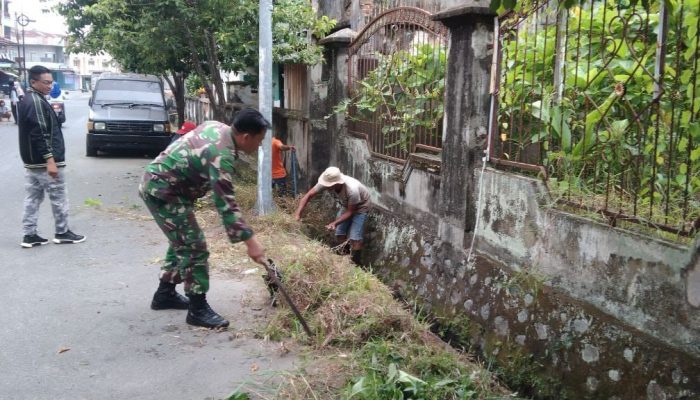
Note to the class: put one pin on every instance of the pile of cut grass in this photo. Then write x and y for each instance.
(366, 345)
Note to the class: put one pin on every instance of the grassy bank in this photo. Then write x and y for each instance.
(366, 344)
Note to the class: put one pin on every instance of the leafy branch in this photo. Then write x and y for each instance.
(405, 90)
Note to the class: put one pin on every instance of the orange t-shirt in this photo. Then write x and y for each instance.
(278, 170)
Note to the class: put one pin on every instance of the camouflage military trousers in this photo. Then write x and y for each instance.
(36, 182)
(187, 257)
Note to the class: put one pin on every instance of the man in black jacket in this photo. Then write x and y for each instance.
(43, 153)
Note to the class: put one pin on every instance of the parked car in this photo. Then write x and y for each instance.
(127, 111)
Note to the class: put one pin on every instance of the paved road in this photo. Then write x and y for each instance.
(76, 322)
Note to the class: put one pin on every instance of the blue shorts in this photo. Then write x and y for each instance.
(356, 223)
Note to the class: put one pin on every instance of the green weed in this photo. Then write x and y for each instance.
(90, 202)
(393, 370)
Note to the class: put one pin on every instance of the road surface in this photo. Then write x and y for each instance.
(76, 318)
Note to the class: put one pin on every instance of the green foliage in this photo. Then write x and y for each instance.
(395, 373)
(501, 6)
(605, 133)
(406, 88)
(519, 5)
(202, 37)
(520, 369)
(140, 38)
(457, 330)
(238, 396)
(192, 84)
(91, 202)
(294, 24)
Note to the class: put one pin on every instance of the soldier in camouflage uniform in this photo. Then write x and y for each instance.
(200, 161)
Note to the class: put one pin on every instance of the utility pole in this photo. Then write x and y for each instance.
(264, 202)
(23, 20)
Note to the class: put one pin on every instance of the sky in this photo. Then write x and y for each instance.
(51, 22)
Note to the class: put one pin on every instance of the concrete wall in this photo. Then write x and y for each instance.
(419, 199)
(538, 335)
(638, 280)
(606, 313)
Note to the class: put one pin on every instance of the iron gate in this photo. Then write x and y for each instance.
(396, 77)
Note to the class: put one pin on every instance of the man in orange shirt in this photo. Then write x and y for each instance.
(279, 173)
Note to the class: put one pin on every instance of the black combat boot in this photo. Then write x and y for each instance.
(200, 314)
(166, 298)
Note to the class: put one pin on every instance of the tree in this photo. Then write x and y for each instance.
(126, 32)
(180, 37)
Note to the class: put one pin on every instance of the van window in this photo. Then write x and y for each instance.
(109, 91)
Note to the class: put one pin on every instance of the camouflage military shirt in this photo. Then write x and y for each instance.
(191, 166)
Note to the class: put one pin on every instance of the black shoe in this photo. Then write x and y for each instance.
(200, 314)
(68, 237)
(33, 240)
(167, 298)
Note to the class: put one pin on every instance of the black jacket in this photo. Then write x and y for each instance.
(40, 135)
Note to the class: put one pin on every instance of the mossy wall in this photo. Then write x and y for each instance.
(544, 342)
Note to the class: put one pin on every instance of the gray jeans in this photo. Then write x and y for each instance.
(36, 181)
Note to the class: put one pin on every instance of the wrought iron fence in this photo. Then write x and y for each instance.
(603, 100)
(372, 8)
(396, 78)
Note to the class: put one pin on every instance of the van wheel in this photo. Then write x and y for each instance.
(90, 151)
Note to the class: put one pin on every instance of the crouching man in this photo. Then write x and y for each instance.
(202, 161)
(354, 200)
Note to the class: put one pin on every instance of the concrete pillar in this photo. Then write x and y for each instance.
(467, 103)
(328, 88)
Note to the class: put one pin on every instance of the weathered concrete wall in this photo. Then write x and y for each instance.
(334, 7)
(605, 312)
(692, 275)
(538, 335)
(420, 198)
(636, 279)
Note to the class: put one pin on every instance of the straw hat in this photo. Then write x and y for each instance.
(331, 176)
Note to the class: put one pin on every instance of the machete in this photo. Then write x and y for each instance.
(274, 284)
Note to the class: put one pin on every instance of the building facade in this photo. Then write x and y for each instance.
(88, 65)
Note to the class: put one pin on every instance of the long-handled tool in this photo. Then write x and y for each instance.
(294, 173)
(274, 284)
